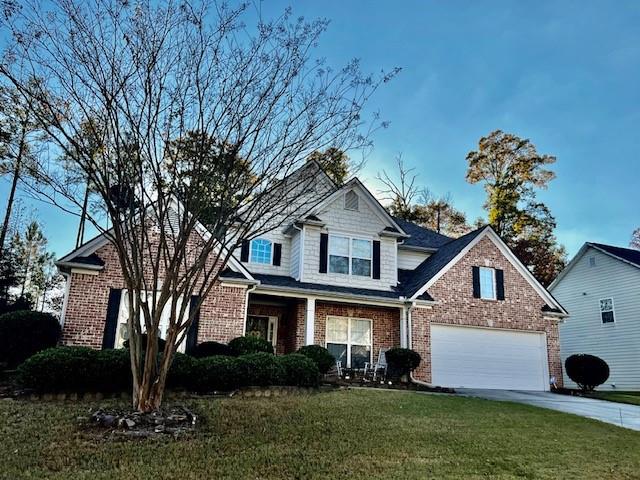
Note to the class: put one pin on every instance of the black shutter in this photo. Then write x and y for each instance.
(244, 252)
(192, 334)
(277, 253)
(111, 323)
(499, 284)
(476, 282)
(324, 249)
(376, 259)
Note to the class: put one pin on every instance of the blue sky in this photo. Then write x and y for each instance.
(564, 74)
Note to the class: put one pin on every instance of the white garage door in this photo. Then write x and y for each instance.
(488, 358)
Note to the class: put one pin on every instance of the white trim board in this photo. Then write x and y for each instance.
(508, 254)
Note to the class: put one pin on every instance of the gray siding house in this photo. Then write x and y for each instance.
(600, 288)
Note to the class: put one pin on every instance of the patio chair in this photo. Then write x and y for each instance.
(379, 366)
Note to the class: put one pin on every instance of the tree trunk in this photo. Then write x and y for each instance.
(12, 194)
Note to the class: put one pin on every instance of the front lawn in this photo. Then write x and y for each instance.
(632, 398)
(357, 434)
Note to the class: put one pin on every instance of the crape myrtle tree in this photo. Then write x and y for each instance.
(201, 116)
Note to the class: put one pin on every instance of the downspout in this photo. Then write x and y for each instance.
(65, 301)
(250, 289)
(408, 308)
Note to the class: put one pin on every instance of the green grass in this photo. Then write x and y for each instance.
(632, 398)
(345, 434)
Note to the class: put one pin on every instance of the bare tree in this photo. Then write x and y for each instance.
(154, 73)
(403, 192)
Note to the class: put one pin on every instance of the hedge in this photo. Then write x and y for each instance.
(261, 369)
(248, 345)
(219, 373)
(299, 370)
(320, 355)
(24, 333)
(211, 349)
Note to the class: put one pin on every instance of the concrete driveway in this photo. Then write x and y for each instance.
(620, 414)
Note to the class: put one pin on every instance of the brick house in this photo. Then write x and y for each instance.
(352, 278)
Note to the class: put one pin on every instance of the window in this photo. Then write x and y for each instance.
(592, 261)
(350, 256)
(351, 200)
(122, 333)
(349, 340)
(261, 251)
(487, 283)
(606, 310)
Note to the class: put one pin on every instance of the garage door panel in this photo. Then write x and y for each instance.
(487, 358)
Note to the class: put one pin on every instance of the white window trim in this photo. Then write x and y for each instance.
(351, 239)
(271, 326)
(251, 248)
(613, 310)
(493, 274)
(349, 342)
(344, 199)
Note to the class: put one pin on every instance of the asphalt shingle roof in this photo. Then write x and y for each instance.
(628, 254)
(421, 236)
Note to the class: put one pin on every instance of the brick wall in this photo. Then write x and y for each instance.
(521, 309)
(386, 322)
(221, 316)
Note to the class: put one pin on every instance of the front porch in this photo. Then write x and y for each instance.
(353, 332)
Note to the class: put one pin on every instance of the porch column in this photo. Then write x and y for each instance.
(310, 321)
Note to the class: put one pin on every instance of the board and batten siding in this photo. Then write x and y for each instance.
(618, 343)
(409, 260)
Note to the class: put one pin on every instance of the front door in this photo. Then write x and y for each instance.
(263, 327)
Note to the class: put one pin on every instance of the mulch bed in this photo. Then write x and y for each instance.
(388, 385)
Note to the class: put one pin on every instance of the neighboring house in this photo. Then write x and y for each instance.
(351, 277)
(601, 289)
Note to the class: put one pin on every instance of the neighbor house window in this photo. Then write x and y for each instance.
(487, 283)
(261, 251)
(350, 256)
(349, 340)
(606, 310)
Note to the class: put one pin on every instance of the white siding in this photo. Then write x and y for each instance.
(364, 223)
(276, 236)
(409, 260)
(583, 332)
(295, 255)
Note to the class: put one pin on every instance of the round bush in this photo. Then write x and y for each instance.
(588, 371)
(261, 369)
(181, 371)
(402, 361)
(320, 355)
(250, 344)
(24, 333)
(60, 369)
(211, 349)
(299, 370)
(217, 373)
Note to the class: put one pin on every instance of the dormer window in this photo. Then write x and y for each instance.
(351, 200)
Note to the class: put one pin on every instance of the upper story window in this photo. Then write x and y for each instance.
(261, 251)
(350, 256)
(606, 310)
(351, 200)
(487, 283)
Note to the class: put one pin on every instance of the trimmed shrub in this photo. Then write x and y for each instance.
(211, 349)
(24, 333)
(320, 355)
(299, 370)
(143, 341)
(248, 345)
(112, 371)
(402, 361)
(219, 373)
(260, 369)
(181, 371)
(60, 369)
(588, 371)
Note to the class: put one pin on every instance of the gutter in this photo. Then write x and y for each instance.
(84, 266)
(320, 293)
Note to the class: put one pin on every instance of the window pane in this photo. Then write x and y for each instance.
(360, 331)
(260, 251)
(339, 352)
(486, 283)
(606, 305)
(359, 356)
(361, 248)
(339, 246)
(361, 267)
(607, 317)
(338, 264)
(337, 330)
